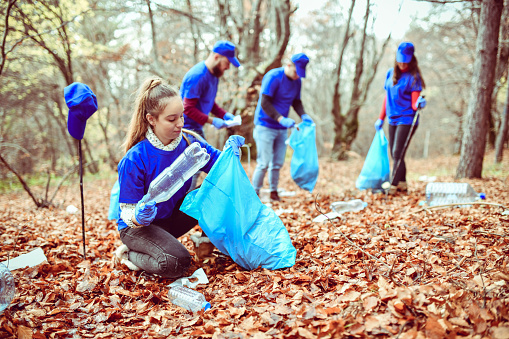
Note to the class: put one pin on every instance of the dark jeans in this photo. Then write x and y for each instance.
(397, 138)
(155, 248)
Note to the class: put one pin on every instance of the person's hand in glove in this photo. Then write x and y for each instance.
(145, 212)
(307, 118)
(218, 123)
(378, 124)
(228, 116)
(421, 102)
(287, 122)
(235, 142)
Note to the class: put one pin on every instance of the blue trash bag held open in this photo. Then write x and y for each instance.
(375, 170)
(304, 165)
(114, 210)
(236, 222)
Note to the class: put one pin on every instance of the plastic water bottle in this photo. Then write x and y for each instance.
(187, 298)
(348, 206)
(6, 287)
(444, 193)
(169, 181)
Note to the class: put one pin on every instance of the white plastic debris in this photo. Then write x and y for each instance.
(199, 274)
(326, 216)
(425, 178)
(282, 211)
(71, 209)
(236, 121)
(30, 259)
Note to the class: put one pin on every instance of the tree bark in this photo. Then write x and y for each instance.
(476, 124)
(3, 51)
(336, 96)
(280, 11)
(502, 131)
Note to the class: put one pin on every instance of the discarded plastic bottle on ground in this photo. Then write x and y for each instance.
(187, 298)
(444, 193)
(6, 287)
(169, 181)
(348, 206)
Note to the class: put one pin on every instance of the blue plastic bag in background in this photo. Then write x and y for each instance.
(304, 165)
(375, 170)
(236, 222)
(114, 211)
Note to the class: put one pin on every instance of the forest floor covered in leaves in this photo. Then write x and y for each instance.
(393, 269)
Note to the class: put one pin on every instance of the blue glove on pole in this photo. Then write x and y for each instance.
(218, 123)
(307, 118)
(287, 122)
(378, 124)
(228, 116)
(421, 102)
(145, 213)
(235, 142)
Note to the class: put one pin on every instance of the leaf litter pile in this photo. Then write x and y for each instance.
(393, 269)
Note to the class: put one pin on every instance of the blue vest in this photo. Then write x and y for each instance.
(283, 92)
(143, 163)
(399, 98)
(199, 83)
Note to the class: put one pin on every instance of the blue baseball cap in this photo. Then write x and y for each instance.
(82, 103)
(300, 60)
(405, 52)
(227, 49)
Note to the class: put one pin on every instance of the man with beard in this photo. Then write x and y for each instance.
(199, 89)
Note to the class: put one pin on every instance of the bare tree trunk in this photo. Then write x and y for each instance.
(475, 129)
(37, 202)
(336, 97)
(502, 131)
(156, 65)
(280, 12)
(3, 51)
(112, 161)
(93, 164)
(195, 32)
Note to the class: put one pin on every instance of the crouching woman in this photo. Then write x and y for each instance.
(155, 139)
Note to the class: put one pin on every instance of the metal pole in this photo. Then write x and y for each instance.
(82, 202)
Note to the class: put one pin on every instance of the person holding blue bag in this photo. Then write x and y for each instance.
(403, 85)
(155, 139)
(280, 90)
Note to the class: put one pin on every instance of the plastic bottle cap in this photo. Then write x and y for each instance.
(482, 196)
(205, 306)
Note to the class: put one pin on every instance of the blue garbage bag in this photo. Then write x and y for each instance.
(114, 211)
(375, 170)
(236, 222)
(304, 164)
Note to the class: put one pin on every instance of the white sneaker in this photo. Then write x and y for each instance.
(122, 254)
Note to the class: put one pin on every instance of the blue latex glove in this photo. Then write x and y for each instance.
(307, 118)
(378, 124)
(421, 102)
(235, 142)
(287, 122)
(228, 116)
(145, 212)
(218, 123)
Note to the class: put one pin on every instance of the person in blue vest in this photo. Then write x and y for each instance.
(155, 139)
(280, 90)
(199, 89)
(403, 86)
